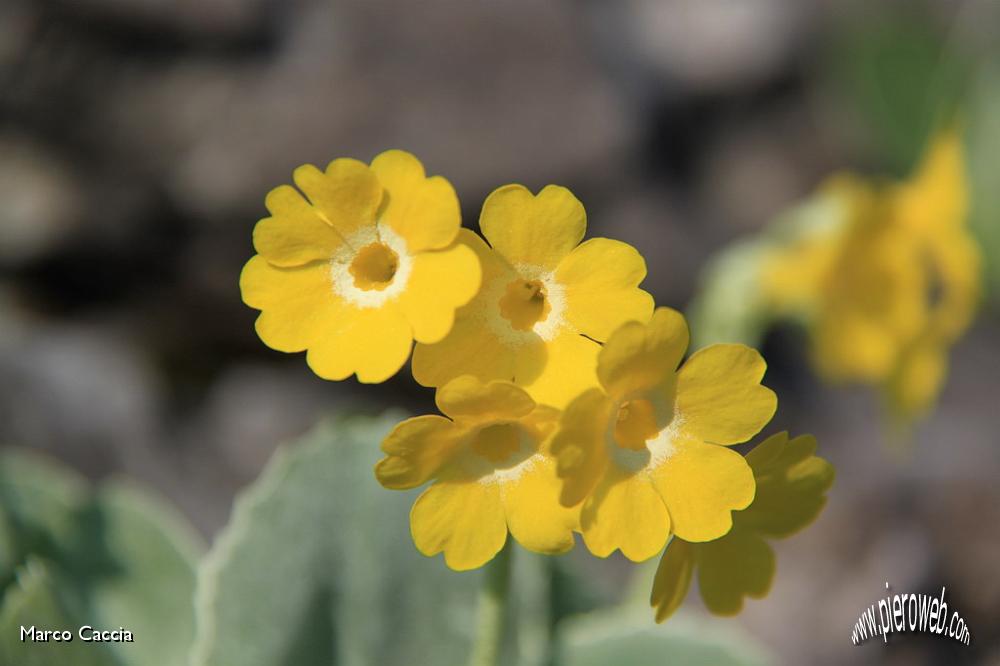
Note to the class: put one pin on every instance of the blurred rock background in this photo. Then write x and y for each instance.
(138, 138)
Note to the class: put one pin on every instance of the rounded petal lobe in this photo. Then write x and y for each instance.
(625, 513)
(295, 234)
(347, 195)
(422, 210)
(719, 395)
(701, 484)
(537, 231)
(602, 279)
(415, 450)
(579, 445)
(569, 365)
(463, 519)
(460, 353)
(737, 565)
(468, 397)
(640, 356)
(534, 515)
(791, 488)
(440, 282)
(673, 578)
(373, 343)
(298, 305)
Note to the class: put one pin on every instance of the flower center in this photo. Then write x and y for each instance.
(498, 442)
(635, 424)
(374, 266)
(524, 304)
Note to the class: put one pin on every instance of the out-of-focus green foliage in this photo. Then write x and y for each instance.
(109, 558)
(626, 635)
(33, 600)
(730, 305)
(900, 76)
(316, 567)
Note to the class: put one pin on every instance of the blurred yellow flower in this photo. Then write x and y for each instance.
(492, 472)
(360, 266)
(791, 491)
(889, 282)
(647, 451)
(545, 298)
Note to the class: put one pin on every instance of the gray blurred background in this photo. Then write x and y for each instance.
(138, 138)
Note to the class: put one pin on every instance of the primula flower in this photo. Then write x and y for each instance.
(791, 491)
(647, 451)
(545, 298)
(360, 266)
(888, 283)
(491, 469)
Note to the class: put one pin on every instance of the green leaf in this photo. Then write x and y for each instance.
(39, 501)
(729, 305)
(120, 557)
(628, 635)
(135, 568)
(317, 567)
(33, 600)
(900, 73)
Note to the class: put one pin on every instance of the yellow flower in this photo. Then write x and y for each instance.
(492, 472)
(647, 451)
(933, 207)
(791, 491)
(889, 283)
(544, 302)
(360, 266)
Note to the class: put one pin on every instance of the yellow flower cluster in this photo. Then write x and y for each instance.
(566, 405)
(888, 282)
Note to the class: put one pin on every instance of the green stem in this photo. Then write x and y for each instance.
(492, 610)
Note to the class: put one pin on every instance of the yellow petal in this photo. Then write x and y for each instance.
(298, 304)
(415, 450)
(602, 277)
(373, 343)
(719, 396)
(913, 386)
(468, 397)
(956, 263)
(938, 194)
(461, 351)
(534, 515)
(537, 231)
(791, 486)
(559, 370)
(439, 283)
(422, 210)
(579, 445)
(462, 518)
(701, 484)
(625, 513)
(737, 565)
(673, 578)
(347, 195)
(295, 234)
(639, 356)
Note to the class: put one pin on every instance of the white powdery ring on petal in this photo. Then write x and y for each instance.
(343, 281)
